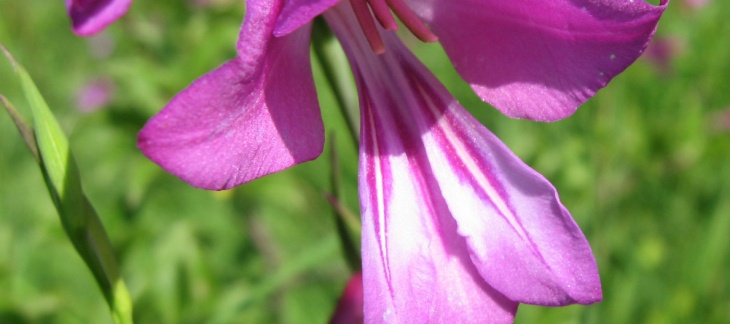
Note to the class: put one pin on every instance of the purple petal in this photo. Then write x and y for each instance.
(416, 268)
(256, 33)
(455, 227)
(253, 116)
(520, 237)
(92, 16)
(297, 13)
(540, 59)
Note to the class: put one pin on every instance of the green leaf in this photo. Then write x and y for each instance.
(79, 219)
(26, 131)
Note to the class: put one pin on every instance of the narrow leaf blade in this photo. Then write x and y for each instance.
(79, 219)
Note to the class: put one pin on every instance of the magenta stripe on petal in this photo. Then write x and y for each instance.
(455, 227)
(509, 213)
(505, 210)
(416, 268)
(92, 16)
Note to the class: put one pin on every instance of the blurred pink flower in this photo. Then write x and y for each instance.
(92, 16)
(94, 95)
(455, 227)
(720, 120)
(696, 4)
(662, 51)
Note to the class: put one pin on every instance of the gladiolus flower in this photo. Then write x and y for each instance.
(455, 227)
(95, 95)
(92, 16)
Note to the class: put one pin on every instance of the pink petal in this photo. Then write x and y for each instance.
(254, 115)
(297, 13)
(416, 268)
(540, 59)
(455, 227)
(520, 237)
(349, 309)
(92, 16)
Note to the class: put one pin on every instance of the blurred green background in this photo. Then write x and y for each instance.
(643, 167)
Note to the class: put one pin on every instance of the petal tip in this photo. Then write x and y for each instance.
(90, 19)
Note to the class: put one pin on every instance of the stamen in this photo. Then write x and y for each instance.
(367, 24)
(382, 11)
(412, 22)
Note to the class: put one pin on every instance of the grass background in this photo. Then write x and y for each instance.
(643, 167)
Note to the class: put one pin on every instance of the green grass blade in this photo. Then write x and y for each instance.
(26, 131)
(79, 219)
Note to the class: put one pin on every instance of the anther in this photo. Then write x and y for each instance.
(382, 11)
(414, 24)
(368, 25)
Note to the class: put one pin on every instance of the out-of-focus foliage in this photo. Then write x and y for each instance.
(642, 167)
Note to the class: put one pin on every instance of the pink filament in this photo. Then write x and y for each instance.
(382, 12)
(381, 9)
(368, 25)
(414, 24)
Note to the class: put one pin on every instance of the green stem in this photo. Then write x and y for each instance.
(347, 223)
(332, 60)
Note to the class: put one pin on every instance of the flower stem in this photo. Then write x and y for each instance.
(347, 223)
(332, 59)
